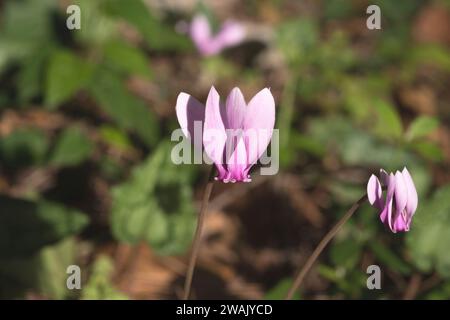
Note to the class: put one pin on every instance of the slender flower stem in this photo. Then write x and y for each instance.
(198, 235)
(322, 244)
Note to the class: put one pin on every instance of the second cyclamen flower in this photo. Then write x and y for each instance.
(235, 134)
(230, 34)
(401, 199)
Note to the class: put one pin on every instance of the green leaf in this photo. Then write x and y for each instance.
(43, 272)
(421, 127)
(115, 137)
(430, 233)
(306, 144)
(30, 78)
(99, 286)
(97, 27)
(27, 226)
(157, 35)
(72, 147)
(53, 263)
(23, 147)
(155, 205)
(352, 282)
(440, 293)
(125, 109)
(346, 253)
(66, 75)
(356, 146)
(280, 290)
(338, 9)
(430, 55)
(298, 40)
(388, 124)
(28, 20)
(127, 59)
(428, 150)
(389, 258)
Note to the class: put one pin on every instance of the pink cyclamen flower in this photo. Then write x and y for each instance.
(230, 34)
(235, 134)
(401, 198)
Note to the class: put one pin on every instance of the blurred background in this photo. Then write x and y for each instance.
(85, 173)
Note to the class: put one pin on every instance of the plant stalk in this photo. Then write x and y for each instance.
(322, 244)
(198, 235)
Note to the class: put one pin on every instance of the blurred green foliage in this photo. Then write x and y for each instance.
(26, 226)
(154, 205)
(360, 125)
(50, 66)
(99, 286)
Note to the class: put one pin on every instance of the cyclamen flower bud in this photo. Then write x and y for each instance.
(401, 199)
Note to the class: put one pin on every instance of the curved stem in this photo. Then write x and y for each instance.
(322, 244)
(198, 236)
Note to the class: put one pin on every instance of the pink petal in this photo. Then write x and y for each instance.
(413, 199)
(235, 109)
(384, 177)
(188, 111)
(237, 164)
(400, 224)
(374, 191)
(200, 30)
(401, 195)
(258, 124)
(386, 214)
(231, 34)
(214, 135)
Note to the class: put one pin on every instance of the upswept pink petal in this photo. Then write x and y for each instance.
(411, 205)
(214, 134)
(235, 107)
(401, 193)
(231, 34)
(200, 30)
(188, 111)
(259, 120)
(374, 192)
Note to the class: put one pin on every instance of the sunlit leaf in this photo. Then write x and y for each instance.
(99, 285)
(127, 58)
(388, 123)
(280, 290)
(66, 74)
(125, 109)
(115, 137)
(421, 127)
(71, 148)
